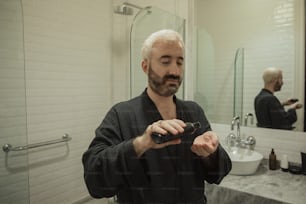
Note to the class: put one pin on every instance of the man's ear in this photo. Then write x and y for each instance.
(145, 66)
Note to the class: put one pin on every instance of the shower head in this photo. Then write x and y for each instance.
(123, 10)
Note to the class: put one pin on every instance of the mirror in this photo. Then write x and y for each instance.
(270, 33)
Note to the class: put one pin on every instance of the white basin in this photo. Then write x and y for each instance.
(244, 160)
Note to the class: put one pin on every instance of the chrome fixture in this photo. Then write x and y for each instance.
(133, 5)
(125, 8)
(236, 120)
(235, 140)
(231, 140)
(250, 141)
(8, 147)
(246, 117)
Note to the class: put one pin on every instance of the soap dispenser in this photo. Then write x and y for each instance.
(272, 160)
(284, 163)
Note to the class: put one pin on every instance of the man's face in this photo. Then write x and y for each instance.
(279, 83)
(165, 69)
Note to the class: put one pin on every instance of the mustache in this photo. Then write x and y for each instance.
(172, 76)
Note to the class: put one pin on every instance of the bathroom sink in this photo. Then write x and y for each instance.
(244, 160)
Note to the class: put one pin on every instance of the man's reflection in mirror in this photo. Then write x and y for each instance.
(270, 112)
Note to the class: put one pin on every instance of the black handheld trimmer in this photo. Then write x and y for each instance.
(189, 129)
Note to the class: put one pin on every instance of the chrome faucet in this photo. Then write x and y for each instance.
(236, 120)
(249, 142)
(236, 140)
(248, 115)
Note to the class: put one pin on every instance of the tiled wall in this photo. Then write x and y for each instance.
(68, 87)
(13, 169)
(76, 67)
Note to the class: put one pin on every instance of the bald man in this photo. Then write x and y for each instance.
(124, 161)
(270, 112)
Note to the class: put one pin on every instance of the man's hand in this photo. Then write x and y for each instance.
(296, 106)
(205, 144)
(144, 142)
(289, 101)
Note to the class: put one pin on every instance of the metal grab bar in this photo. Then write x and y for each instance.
(9, 147)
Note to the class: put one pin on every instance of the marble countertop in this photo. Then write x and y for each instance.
(277, 185)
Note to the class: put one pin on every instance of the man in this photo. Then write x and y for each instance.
(123, 160)
(270, 112)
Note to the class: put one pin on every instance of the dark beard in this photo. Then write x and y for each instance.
(277, 86)
(159, 86)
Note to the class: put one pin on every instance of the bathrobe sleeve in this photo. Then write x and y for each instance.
(111, 161)
(281, 118)
(217, 165)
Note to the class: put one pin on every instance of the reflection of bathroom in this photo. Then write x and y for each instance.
(273, 38)
(65, 63)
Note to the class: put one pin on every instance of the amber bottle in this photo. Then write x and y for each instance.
(272, 160)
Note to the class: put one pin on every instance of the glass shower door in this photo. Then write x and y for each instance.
(238, 83)
(214, 80)
(219, 83)
(147, 21)
(14, 187)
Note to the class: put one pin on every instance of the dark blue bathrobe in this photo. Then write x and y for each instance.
(271, 114)
(170, 175)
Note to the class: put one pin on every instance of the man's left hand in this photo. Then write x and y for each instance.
(205, 144)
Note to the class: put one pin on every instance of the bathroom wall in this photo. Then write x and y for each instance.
(13, 175)
(68, 60)
(76, 67)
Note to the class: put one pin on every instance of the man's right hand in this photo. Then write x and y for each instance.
(144, 142)
(290, 101)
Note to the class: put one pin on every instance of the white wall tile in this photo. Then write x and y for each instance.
(74, 72)
(68, 68)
